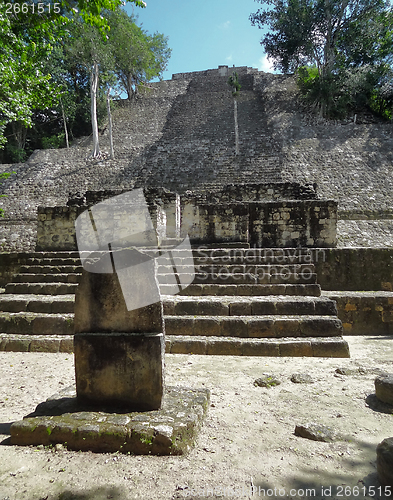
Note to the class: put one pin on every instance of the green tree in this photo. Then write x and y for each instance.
(23, 85)
(27, 39)
(91, 10)
(138, 56)
(124, 59)
(349, 42)
(92, 52)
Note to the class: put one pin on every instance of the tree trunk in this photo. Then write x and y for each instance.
(20, 133)
(93, 95)
(65, 124)
(130, 90)
(108, 105)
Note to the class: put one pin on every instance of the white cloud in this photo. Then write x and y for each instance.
(265, 64)
(229, 59)
(225, 26)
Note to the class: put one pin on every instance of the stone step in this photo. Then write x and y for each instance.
(33, 269)
(205, 256)
(37, 303)
(41, 288)
(249, 254)
(240, 278)
(225, 260)
(313, 290)
(37, 343)
(53, 261)
(254, 326)
(61, 255)
(329, 347)
(245, 250)
(321, 347)
(46, 278)
(178, 305)
(30, 323)
(260, 269)
(267, 326)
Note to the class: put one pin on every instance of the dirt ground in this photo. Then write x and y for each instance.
(246, 447)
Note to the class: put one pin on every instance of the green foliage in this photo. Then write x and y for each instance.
(91, 10)
(349, 89)
(46, 67)
(53, 141)
(381, 99)
(15, 153)
(233, 82)
(137, 56)
(341, 52)
(27, 41)
(23, 85)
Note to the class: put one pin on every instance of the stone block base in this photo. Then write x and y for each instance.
(172, 430)
(120, 369)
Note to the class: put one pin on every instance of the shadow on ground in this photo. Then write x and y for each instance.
(100, 493)
(322, 484)
(5, 428)
(375, 404)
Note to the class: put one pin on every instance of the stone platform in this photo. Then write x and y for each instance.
(172, 430)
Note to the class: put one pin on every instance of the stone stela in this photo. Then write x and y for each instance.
(119, 354)
(119, 339)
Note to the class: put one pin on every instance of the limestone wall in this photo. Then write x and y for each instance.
(355, 268)
(270, 224)
(365, 313)
(10, 264)
(256, 220)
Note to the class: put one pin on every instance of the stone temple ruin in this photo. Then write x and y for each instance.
(299, 219)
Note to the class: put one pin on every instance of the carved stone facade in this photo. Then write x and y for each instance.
(267, 216)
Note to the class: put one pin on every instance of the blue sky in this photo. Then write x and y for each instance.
(205, 34)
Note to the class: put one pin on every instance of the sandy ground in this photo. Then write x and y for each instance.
(247, 442)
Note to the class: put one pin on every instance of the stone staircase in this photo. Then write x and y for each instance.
(250, 302)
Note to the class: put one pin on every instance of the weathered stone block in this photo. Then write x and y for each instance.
(66, 345)
(384, 388)
(188, 346)
(260, 349)
(100, 306)
(240, 309)
(385, 462)
(234, 326)
(62, 419)
(207, 326)
(212, 308)
(45, 345)
(120, 369)
(321, 327)
(224, 347)
(17, 345)
(330, 348)
(296, 348)
(178, 325)
(261, 328)
(287, 327)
